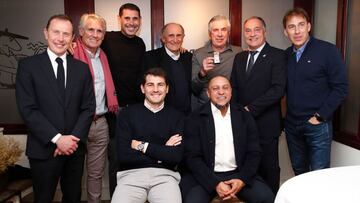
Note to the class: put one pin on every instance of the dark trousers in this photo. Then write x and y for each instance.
(258, 192)
(269, 168)
(46, 174)
(112, 154)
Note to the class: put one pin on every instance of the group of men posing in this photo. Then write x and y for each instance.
(214, 115)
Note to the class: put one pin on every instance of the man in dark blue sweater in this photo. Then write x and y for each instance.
(149, 146)
(317, 84)
(176, 64)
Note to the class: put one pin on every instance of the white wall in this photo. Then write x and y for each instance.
(325, 29)
(109, 9)
(194, 17)
(272, 12)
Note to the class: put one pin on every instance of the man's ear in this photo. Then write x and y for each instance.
(142, 89)
(46, 33)
(285, 33)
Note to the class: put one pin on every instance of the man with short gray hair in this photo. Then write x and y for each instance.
(92, 28)
(215, 58)
(176, 64)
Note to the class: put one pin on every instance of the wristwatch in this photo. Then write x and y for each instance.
(318, 117)
(141, 146)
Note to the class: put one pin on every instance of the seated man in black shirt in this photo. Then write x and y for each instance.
(149, 146)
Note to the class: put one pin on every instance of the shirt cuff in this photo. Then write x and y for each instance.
(55, 139)
(146, 144)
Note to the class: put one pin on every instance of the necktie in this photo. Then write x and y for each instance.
(60, 76)
(251, 61)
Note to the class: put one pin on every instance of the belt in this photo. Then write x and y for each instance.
(96, 117)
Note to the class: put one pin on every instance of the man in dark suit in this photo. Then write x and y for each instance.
(222, 151)
(55, 97)
(258, 79)
(177, 66)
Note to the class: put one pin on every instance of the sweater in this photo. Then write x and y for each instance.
(125, 56)
(139, 123)
(317, 83)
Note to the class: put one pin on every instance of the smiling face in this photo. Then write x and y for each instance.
(297, 29)
(219, 91)
(254, 33)
(155, 90)
(129, 22)
(173, 37)
(92, 34)
(219, 34)
(59, 35)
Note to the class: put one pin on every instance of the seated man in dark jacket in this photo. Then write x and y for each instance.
(222, 151)
(149, 146)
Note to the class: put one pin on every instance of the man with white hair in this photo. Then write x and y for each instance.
(215, 58)
(92, 30)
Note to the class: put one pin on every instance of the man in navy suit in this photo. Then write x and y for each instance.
(222, 151)
(55, 97)
(258, 79)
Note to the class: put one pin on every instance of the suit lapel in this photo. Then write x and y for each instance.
(49, 74)
(237, 129)
(263, 55)
(69, 79)
(209, 138)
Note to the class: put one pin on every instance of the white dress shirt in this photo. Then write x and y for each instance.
(257, 53)
(99, 82)
(54, 64)
(224, 142)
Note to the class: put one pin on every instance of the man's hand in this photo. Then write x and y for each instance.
(182, 50)
(134, 144)
(66, 144)
(174, 140)
(72, 48)
(314, 121)
(236, 185)
(207, 65)
(222, 190)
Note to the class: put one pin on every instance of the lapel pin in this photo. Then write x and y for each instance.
(264, 55)
(309, 61)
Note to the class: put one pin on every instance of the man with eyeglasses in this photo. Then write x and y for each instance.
(92, 29)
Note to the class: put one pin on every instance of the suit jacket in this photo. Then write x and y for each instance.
(262, 89)
(199, 142)
(159, 58)
(44, 111)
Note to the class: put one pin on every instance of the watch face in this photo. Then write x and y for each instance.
(140, 147)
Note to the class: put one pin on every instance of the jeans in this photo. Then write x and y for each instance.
(309, 145)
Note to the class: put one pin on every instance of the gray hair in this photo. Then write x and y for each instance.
(165, 26)
(85, 17)
(218, 18)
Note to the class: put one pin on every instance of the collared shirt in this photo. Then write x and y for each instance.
(224, 141)
(199, 85)
(257, 53)
(99, 82)
(54, 64)
(171, 54)
(300, 50)
(154, 110)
